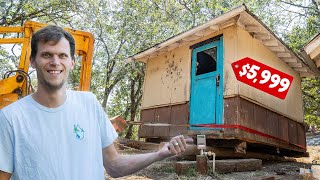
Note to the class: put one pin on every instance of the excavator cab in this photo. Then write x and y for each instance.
(16, 84)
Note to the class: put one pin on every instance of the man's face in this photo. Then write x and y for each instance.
(53, 63)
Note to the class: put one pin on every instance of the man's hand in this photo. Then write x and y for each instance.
(176, 146)
(4, 175)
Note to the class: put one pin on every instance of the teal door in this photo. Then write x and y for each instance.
(206, 101)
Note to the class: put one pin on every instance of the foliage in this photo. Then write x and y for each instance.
(311, 97)
(125, 27)
(16, 12)
(301, 33)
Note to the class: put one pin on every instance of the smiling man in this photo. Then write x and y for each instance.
(57, 133)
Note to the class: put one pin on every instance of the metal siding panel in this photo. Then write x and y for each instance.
(293, 133)
(301, 134)
(283, 128)
(162, 115)
(231, 110)
(147, 115)
(261, 119)
(246, 113)
(179, 115)
(272, 124)
(260, 122)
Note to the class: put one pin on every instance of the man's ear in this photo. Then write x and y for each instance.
(32, 62)
(72, 63)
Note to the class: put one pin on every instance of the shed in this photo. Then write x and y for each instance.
(181, 95)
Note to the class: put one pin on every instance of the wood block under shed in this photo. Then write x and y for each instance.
(118, 123)
(223, 166)
(265, 178)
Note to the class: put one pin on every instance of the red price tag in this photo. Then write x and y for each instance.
(262, 77)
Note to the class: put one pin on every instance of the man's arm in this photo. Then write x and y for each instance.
(118, 165)
(4, 175)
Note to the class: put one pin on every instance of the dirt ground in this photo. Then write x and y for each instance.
(280, 170)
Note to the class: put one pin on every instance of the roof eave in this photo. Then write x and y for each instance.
(179, 37)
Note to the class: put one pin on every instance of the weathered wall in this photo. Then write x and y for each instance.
(167, 79)
(247, 46)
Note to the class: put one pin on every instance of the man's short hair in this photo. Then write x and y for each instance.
(51, 33)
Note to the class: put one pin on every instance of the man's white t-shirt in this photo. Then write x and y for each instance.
(62, 143)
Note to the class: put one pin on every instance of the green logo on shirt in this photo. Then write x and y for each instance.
(79, 131)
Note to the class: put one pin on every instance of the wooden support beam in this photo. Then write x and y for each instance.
(253, 28)
(227, 23)
(173, 46)
(311, 46)
(164, 49)
(270, 177)
(301, 69)
(262, 36)
(118, 123)
(277, 49)
(214, 27)
(239, 23)
(315, 53)
(222, 166)
(204, 32)
(271, 42)
(241, 147)
(306, 74)
(282, 55)
(289, 60)
(229, 153)
(294, 64)
(191, 38)
(139, 145)
(310, 63)
(318, 63)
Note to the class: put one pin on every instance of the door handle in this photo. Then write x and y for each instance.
(218, 80)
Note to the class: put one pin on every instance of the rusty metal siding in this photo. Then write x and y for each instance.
(231, 110)
(260, 122)
(247, 114)
(162, 115)
(237, 111)
(147, 115)
(263, 120)
(293, 133)
(301, 134)
(283, 128)
(176, 114)
(272, 124)
(179, 115)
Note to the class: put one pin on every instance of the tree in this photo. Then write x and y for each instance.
(16, 12)
(124, 27)
(304, 30)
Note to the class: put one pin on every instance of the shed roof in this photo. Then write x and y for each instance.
(248, 21)
(312, 50)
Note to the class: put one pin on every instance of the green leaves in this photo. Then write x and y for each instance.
(124, 27)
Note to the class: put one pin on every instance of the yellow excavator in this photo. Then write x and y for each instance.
(16, 84)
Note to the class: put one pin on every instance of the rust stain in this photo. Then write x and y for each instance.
(173, 73)
(153, 70)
